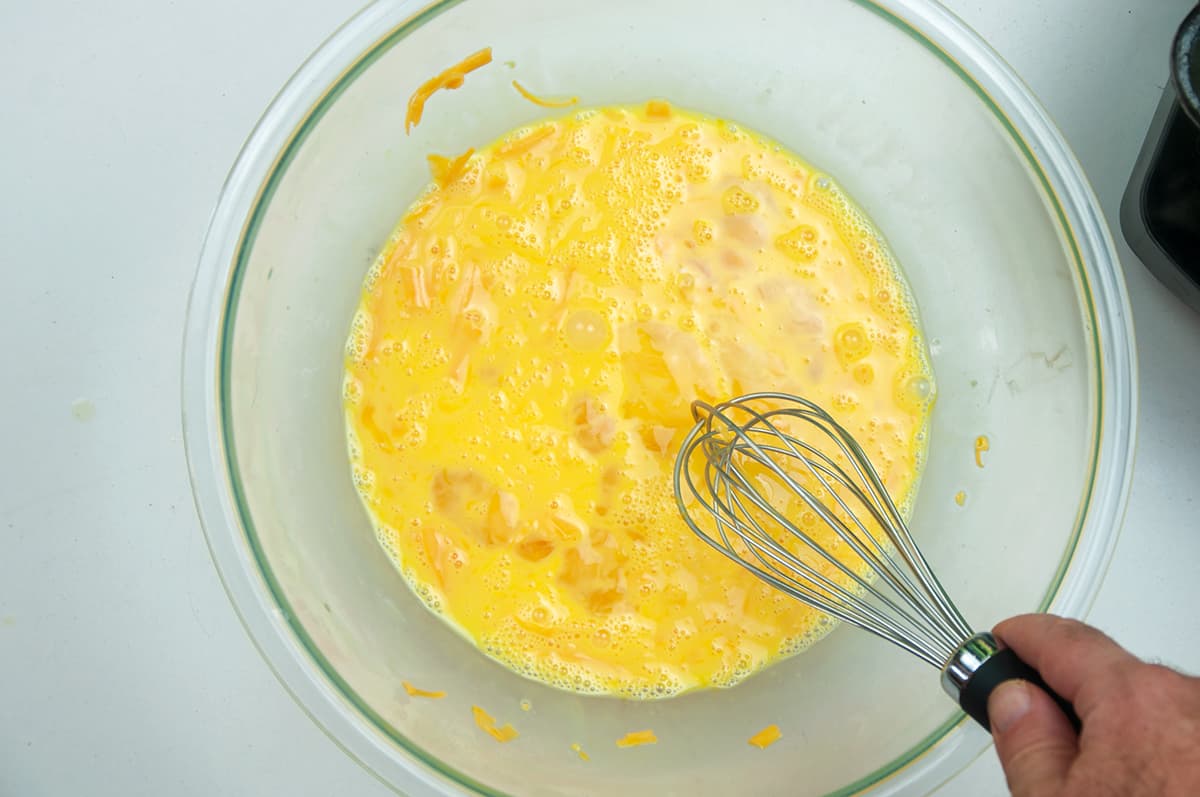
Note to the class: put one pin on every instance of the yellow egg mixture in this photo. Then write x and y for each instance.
(520, 371)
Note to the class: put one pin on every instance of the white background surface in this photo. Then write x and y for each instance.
(123, 669)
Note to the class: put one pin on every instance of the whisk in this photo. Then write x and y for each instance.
(744, 454)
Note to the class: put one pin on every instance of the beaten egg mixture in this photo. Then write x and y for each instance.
(521, 366)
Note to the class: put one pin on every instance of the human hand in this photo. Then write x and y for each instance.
(1141, 722)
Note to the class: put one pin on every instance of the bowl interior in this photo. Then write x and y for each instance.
(1005, 306)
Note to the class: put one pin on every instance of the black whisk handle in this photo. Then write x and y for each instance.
(979, 666)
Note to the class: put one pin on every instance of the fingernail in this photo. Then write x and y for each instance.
(1007, 704)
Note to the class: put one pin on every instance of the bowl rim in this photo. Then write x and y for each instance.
(247, 577)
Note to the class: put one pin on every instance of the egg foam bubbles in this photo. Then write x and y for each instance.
(520, 371)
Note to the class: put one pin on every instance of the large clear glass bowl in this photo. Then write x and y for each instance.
(987, 211)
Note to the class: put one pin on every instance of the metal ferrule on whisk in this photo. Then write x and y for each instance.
(967, 661)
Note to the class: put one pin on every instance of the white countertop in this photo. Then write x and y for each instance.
(123, 669)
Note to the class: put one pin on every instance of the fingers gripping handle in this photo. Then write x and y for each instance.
(1001, 667)
(979, 666)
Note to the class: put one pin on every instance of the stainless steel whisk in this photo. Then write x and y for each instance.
(728, 477)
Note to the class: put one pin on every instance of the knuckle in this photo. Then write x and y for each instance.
(1075, 632)
(1038, 757)
(1157, 684)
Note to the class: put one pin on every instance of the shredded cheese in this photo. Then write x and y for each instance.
(487, 723)
(766, 737)
(451, 78)
(542, 101)
(525, 142)
(981, 444)
(447, 170)
(415, 692)
(637, 738)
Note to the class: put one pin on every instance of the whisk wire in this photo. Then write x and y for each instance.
(895, 576)
(917, 615)
(821, 467)
(829, 595)
(897, 528)
(826, 596)
(734, 477)
(879, 557)
(898, 532)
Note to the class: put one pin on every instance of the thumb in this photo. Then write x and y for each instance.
(1034, 740)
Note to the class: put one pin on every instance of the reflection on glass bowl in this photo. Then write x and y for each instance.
(986, 210)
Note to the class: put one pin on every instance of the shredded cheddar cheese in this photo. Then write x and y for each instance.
(520, 372)
(446, 170)
(542, 101)
(487, 723)
(658, 109)
(451, 78)
(766, 737)
(415, 692)
(637, 739)
(981, 444)
(523, 144)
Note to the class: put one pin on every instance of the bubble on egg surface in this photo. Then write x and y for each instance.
(586, 330)
(643, 263)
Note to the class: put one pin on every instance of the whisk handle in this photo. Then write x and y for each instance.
(1005, 666)
(979, 666)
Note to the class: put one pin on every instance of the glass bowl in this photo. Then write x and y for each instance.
(1001, 239)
